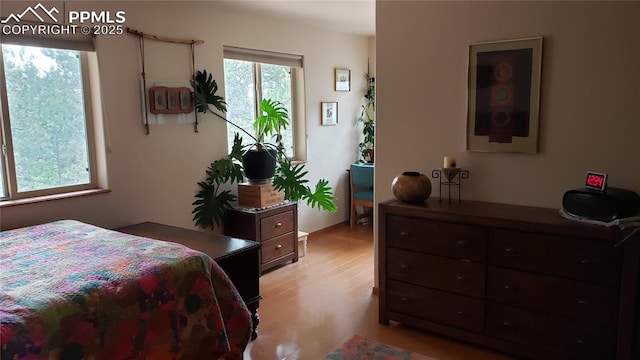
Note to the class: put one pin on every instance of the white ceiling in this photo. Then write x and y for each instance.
(349, 16)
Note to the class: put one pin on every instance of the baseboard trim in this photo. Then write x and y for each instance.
(329, 228)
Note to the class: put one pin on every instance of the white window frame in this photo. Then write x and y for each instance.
(296, 65)
(7, 156)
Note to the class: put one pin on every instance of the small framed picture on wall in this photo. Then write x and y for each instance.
(329, 113)
(158, 99)
(343, 80)
(173, 99)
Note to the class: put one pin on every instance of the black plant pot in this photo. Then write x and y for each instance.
(259, 165)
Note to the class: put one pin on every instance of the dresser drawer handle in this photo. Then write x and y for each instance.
(279, 246)
(404, 299)
(462, 242)
(278, 224)
(461, 277)
(507, 324)
(404, 233)
(459, 312)
(509, 250)
(585, 261)
(580, 342)
(404, 266)
(510, 287)
(582, 302)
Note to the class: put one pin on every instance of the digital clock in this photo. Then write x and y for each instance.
(596, 181)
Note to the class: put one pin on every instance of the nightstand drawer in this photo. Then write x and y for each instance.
(276, 225)
(462, 277)
(436, 306)
(277, 247)
(578, 300)
(437, 238)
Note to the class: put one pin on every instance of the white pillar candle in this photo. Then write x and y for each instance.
(449, 162)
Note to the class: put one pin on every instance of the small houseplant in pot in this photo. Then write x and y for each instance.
(367, 118)
(214, 198)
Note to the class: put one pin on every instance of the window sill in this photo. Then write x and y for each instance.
(38, 199)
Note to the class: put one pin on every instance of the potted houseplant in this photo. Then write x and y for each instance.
(367, 118)
(213, 198)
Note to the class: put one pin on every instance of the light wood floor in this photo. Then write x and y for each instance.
(310, 307)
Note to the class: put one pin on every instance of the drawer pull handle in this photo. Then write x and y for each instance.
(580, 342)
(404, 266)
(279, 246)
(510, 287)
(582, 302)
(461, 277)
(509, 250)
(278, 224)
(459, 312)
(404, 299)
(585, 261)
(507, 324)
(404, 233)
(462, 242)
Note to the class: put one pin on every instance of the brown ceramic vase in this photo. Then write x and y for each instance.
(411, 187)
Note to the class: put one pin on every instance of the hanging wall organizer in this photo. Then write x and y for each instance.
(162, 99)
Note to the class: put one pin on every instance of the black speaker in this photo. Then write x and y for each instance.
(605, 206)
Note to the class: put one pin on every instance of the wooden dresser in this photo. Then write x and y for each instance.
(518, 279)
(276, 228)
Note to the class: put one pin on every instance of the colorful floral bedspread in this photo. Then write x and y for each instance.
(70, 290)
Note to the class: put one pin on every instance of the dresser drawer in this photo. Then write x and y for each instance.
(561, 336)
(437, 306)
(275, 225)
(277, 247)
(437, 238)
(462, 277)
(571, 258)
(578, 300)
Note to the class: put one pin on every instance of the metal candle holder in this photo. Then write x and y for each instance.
(450, 177)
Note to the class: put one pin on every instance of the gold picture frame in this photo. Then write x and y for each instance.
(504, 96)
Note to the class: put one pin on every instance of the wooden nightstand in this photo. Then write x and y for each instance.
(239, 258)
(276, 228)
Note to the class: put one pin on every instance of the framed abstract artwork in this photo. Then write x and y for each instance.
(504, 96)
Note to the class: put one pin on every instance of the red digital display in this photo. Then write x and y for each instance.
(596, 181)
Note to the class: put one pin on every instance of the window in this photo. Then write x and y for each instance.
(46, 122)
(251, 76)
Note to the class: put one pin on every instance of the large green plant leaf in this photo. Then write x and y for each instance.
(229, 167)
(322, 197)
(290, 179)
(236, 149)
(223, 170)
(211, 206)
(205, 88)
(273, 117)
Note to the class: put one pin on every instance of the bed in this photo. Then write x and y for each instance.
(70, 290)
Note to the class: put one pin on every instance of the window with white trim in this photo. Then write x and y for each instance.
(47, 130)
(251, 76)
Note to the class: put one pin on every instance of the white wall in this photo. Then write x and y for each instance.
(153, 177)
(590, 96)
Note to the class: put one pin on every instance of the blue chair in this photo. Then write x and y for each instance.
(361, 184)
